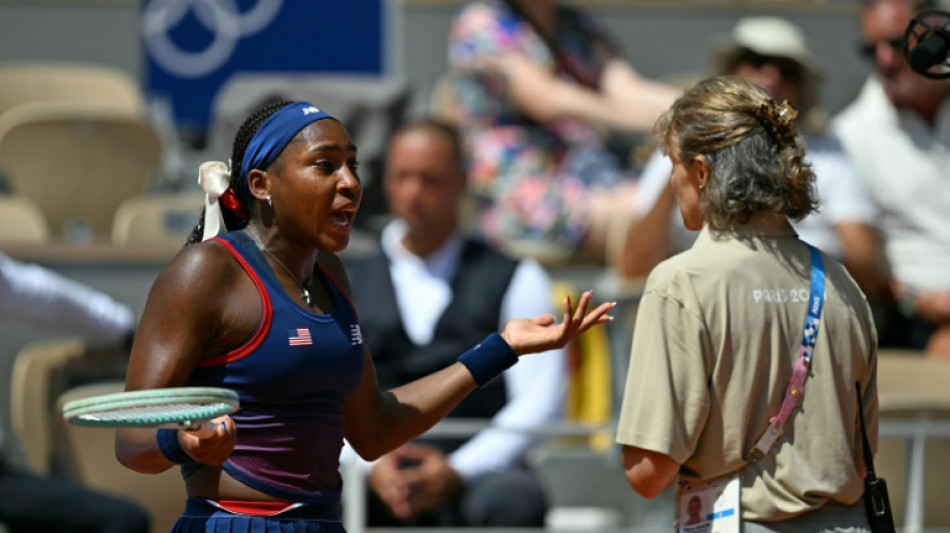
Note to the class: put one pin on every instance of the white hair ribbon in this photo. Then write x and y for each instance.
(214, 178)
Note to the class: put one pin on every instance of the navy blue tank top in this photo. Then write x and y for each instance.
(293, 375)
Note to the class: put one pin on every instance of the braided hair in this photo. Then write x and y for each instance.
(238, 218)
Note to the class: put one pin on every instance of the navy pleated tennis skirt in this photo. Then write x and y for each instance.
(200, 516)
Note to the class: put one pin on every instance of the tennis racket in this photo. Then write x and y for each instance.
(190, 408)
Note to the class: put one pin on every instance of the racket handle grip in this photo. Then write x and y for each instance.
(206, 428)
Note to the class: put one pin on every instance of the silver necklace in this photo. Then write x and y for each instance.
(306, 293)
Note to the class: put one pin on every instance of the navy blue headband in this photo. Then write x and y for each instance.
(274, 134)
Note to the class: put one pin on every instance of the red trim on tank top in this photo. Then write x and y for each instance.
(255, 508)
(252, 344)
(339, 289)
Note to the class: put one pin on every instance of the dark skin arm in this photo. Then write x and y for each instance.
(204, 304)
(182, 322)
(377, 422)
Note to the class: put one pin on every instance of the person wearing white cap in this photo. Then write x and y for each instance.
(772, 53)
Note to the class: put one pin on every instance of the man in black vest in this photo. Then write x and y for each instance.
(427, 296)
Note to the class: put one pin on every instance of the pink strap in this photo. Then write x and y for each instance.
(793, 394)
(796, 385)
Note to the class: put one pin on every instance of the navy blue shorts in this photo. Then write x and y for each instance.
(200, 516)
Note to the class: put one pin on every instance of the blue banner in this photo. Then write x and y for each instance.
(193, 46)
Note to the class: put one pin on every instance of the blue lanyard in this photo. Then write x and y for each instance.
(816, 301)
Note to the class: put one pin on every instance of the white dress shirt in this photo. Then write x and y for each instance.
(34, 294)
(905, 165)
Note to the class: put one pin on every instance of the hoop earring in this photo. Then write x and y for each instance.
(269, 200)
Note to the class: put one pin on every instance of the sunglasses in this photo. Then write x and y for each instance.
(789, 68)
(869, 50)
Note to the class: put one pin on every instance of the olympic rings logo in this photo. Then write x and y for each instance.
(222, 18)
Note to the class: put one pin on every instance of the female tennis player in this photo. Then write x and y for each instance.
(264, 309)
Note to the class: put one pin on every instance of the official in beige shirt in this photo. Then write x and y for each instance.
(719, 327)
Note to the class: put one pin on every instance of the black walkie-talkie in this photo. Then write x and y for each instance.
(876, 502)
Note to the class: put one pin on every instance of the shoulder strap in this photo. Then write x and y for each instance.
(796, 386)
(868, 456)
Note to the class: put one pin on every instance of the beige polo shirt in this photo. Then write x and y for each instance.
(716, 337)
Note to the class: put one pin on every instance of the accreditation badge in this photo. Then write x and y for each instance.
(710, 508)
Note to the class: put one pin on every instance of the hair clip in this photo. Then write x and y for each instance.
(786, 113)
(778, 120)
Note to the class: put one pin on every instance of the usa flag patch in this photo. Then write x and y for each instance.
(300, 337)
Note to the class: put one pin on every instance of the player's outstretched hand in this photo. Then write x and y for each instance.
(539, 334)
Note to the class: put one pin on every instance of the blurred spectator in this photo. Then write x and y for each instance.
(537, 84)
(33, 294)
(28, 502)
(772, 53)
(430, 292)
(897, 133)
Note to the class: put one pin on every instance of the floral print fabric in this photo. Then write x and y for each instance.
(532, 179)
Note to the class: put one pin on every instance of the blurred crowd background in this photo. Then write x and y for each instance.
(105, 191)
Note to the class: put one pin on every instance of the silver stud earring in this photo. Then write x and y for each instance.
(270, 200)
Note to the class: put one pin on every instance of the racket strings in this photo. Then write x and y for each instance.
(163, 407)
(183, 413)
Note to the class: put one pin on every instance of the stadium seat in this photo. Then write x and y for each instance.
(34, 384)
(42, 370)
(913, 458)
(21, 221)
(156, 218)
(78, 161)
(90, 455)
(23, 82)
(442, 104)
